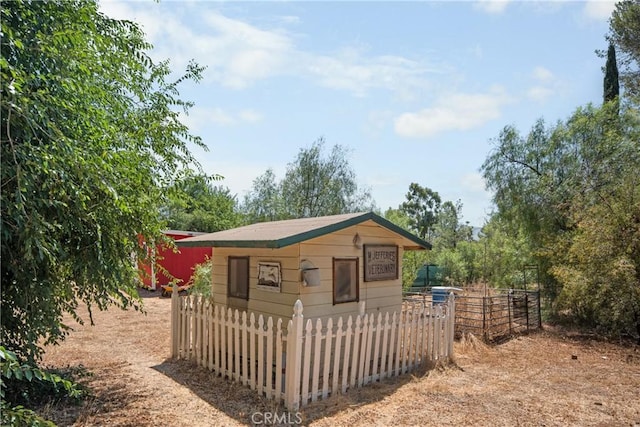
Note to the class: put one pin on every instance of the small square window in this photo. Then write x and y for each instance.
(238, 283)
(345, 280)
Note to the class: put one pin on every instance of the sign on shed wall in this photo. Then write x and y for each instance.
(380, 262)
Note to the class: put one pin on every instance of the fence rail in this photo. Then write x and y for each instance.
(499, 314)
(309, 360)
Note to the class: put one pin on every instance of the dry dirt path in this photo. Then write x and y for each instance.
(541, 379)
(133, 382)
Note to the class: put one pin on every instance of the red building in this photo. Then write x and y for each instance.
(179, 264)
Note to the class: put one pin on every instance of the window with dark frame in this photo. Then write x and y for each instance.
(238, 280)
(345, 280)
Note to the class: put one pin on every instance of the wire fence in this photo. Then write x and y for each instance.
(493, 314)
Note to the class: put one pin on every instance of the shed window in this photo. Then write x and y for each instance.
(345, 280)
(238, 283)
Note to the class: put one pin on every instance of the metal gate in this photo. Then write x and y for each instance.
(496, 316)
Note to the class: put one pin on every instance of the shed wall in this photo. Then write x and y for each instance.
(266, 302)
(379, 296)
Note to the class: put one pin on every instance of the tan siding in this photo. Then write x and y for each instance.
(370, 229)
(325, 285)
(383, 284)
(315, 311)
(291, 275)
(376, 304)
(323, 262)
(276, 311)
(271, 297)
(379, 296)
(380, 292)
(266, 302)
(332, 250)
(325, 297)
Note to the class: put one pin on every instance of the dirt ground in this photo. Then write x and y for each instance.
(550, 378)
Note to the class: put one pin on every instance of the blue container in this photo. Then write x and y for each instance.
(439, 294)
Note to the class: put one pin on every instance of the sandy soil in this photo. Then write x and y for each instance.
(550, 378)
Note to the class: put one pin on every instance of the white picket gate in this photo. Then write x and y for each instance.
(309, 360)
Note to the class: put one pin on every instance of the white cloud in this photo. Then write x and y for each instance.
(238, 54)
(542, 74)
(151, 20)
(593, 10)
(598, 9)
(459, 111)
(492, 6)
(200, 117)
(352, 70)
(545, 84)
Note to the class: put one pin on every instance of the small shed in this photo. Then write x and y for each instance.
(178, 264)
(331, 264)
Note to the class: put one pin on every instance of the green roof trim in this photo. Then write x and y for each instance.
(341, 222)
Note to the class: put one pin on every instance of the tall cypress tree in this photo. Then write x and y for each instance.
(611, 84)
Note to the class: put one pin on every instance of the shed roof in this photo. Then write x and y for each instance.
(182, 233)
(278, 234)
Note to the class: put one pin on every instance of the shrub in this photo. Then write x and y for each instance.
(23, 384)
(201, 280)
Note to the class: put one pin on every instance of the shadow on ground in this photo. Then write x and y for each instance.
(246, 406)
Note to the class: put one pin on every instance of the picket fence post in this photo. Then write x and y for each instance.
(294, 360)
(452, 324)
(175, 326)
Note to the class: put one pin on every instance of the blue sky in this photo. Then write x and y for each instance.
(415, 90)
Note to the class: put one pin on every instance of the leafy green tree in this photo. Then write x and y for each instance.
(264, 200)
(504, 248)
(422, 206)
(570, 191)
(448, 230)
(90, 137)
(460, 265)
(453, 249)
(600, 268)
(545, 183)
(529, 176)
(624, 33)
(198, 205)
(455, 252)
(314, 185)
(412, 261)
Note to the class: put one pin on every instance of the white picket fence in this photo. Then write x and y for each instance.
(309, 360)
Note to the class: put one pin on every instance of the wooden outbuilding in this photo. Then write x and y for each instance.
(331, 264)
(173, 266)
